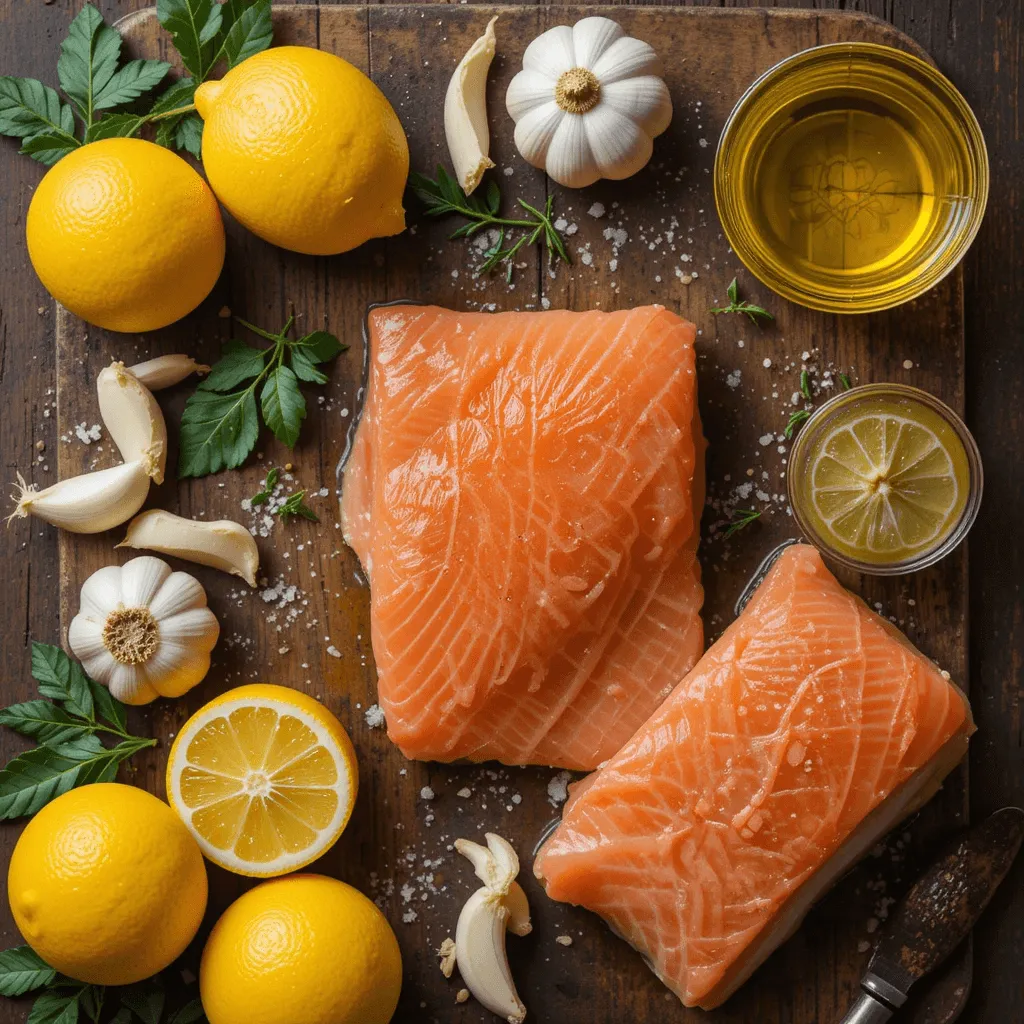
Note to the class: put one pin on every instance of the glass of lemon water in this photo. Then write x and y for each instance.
(885, 479)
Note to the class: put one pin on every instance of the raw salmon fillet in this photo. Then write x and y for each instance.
(803, 735)
(524, 493)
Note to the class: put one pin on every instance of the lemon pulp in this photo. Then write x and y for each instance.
(884, 479)
(265, 778)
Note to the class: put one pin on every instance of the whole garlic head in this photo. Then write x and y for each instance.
(588, 103)
(144, 631)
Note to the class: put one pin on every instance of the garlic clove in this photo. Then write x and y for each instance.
(569, 159)
(618, 146)
(645, 100)
(527, 91)
(141, 580)
(551, 53)
(481, 956)
(535, 131)
(627, 58)
(128, 683)
(175, 668)
(519, 922)
(90, 503)
(222, 544)
(180, 593)
(465, 112)
(166, 371)
(505, 859)
(133, 419)
(591, 37)
(101, 592)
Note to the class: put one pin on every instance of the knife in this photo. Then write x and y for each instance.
(937, 914)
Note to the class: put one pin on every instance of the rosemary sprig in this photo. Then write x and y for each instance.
(443, 196)
(794, 421)
(740, 519)
(805, 385)
(757, 314)
(845, 381)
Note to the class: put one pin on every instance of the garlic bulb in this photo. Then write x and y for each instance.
(144, 631)
(588, 103)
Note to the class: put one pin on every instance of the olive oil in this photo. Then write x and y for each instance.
(851, 177)
(885, 478)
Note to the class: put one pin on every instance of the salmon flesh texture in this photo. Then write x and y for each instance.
(524, 494)
(810, 729)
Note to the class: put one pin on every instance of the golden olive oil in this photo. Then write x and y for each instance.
(851, 177)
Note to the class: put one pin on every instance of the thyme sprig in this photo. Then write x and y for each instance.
(740, 519)
(757, 314)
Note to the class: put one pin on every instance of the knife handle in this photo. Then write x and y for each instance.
(867, 1010)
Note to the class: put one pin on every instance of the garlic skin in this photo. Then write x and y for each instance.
(133, 419)
(166, 371)
(143, 631)
(221, 544)
(588, 103)
(90, 503)
(465, 112)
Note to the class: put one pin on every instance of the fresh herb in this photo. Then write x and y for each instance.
(805, 385)
(443, 196)
(267, 493)
(756, 313)
(739, 520)
(102, 97)
(296, 506)
(794, 421)
(67, 726)
(845, 381)
(221, 421)
(61, 1000)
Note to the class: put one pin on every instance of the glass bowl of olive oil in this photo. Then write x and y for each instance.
(885, 479)
(851, 177)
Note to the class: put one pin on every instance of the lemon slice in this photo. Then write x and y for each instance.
(884, 485)
(265, 778)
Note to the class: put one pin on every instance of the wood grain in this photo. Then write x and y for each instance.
(812, 977)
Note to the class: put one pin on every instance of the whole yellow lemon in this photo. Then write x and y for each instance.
(304, 949)
(107, 885)
(125, 234)
(304, 150)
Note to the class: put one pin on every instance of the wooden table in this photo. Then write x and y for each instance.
(980, 46)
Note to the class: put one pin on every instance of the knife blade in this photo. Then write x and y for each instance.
(938, 913)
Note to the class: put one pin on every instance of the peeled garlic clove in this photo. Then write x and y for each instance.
(166, 371)
(133, 419)
(447, 955)
(465, 112)
(222, 544)
(518, 910)
(90, 503)
(480, 954)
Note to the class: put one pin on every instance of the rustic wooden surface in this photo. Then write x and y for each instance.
(409, 53)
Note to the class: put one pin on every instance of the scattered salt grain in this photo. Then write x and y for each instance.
(426, 793)
(333, 651)
(374, 716)
(563, 940)
(465, 793)
(733, 380)
(87, 434)
(558, 788)
(908, 364)
(597, 210)
(462, 996)
(766, 363)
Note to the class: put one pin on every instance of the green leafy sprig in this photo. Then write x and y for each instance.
(795, 420)
(295, 505)
(68, 726)
(61, 1000)
(443, 196)
(757, 314)
(100, 96)
(221, 421)
(263, 496)
(740, 519)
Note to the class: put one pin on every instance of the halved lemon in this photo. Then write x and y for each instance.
(265, 778)
(884, 485)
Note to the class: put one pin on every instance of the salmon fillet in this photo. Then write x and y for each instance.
(804, 734)
(524, 494)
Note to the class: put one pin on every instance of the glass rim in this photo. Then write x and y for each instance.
(747, 245)
(950, 541)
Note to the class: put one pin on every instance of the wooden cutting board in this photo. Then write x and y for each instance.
(658, 241)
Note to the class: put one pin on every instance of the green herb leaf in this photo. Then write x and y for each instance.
(22, 970)
(190, 1013)
(193, 25)
(319, 346)
(40, 720)
(239, 362)
(48, 148)
(733, 291)
(29, 108)
(268, 489)
(130, 82)
(217, 431)
(88, 59)
(805, 385)
(188, 134)
(41, 774)
(304, 368)
(179, 94)
(54, 1008)
(296, 506)
(114, 126)
(62, 679)
(123, 1016)
(108, 707)
(146, 1001)
(250, 33)
(794, 421)
(845, 381)
(284, 407)
(755, 313)
(740, 519)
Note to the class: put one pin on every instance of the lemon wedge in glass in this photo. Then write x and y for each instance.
(884, 476)
(265, 778)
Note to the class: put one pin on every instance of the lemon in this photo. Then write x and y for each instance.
(885, 485)
(125, 234)
(264, 777)
(304, 150)
(106, 884)
(301, 950)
